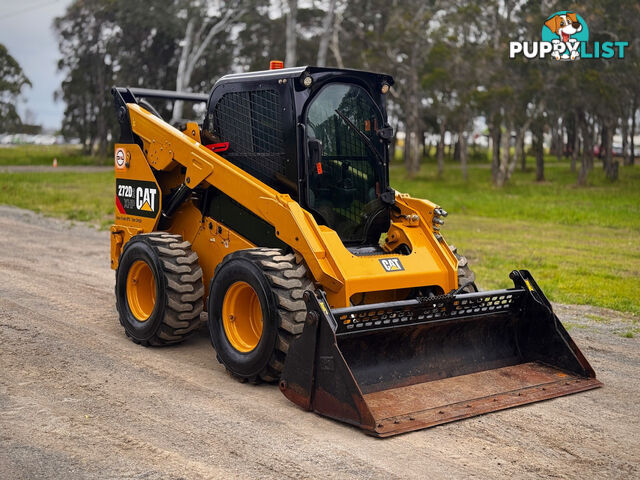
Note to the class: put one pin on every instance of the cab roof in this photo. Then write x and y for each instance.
(297, 72)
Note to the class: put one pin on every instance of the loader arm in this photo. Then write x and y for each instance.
(331, 265)
(294, 226)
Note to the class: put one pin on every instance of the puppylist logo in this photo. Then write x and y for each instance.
(565, 37)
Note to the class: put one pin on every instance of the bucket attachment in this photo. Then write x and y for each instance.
(395, 367)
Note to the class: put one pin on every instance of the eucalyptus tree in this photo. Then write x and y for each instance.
(12, 82)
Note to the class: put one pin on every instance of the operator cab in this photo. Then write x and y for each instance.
(318, 134)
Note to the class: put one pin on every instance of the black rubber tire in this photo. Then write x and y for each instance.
(465, 274)
(280, 281)
(179, 289)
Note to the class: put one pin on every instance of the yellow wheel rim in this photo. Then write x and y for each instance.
(242, 317)
(141, 290)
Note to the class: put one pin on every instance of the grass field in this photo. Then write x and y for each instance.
(66, 155)
(581, 244)
(85, 197)
(558, 199)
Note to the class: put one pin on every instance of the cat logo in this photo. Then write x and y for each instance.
(136, 197)
(146, 199)
(391, 264)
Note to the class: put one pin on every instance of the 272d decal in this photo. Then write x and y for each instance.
(135, 197)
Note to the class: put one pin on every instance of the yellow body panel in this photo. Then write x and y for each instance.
(131, 164)
(212, 241)
(339, 272)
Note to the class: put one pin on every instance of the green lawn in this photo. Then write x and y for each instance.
(581, 244)
(556, 200)
(66, 155)
(86, 197)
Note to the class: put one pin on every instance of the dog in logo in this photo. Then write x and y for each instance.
(565, 26)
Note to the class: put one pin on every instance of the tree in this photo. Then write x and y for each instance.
(449, 61)
(200, 32)
(400, 40)
(438, 85)
(12, 81)
(291, 57)
(114, 42)
(326, 34)
(84, 34)
(449, 81)
(335, 39)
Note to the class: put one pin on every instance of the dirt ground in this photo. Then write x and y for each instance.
(79, 400)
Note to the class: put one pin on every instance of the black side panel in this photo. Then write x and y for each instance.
(257, 121)
(227, 211)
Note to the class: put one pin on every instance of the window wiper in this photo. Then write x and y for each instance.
(362, 135)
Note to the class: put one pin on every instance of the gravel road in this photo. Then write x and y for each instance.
(79, 400)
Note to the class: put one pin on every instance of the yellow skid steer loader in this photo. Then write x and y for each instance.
(274, 214)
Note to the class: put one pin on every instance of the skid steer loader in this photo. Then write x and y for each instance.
(275, 214)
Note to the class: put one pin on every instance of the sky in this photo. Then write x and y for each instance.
(26, 30)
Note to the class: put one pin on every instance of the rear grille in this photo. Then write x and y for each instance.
(251, 121)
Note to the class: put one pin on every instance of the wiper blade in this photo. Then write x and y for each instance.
(362, 135)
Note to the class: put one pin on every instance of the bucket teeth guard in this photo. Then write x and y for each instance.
(395, 367)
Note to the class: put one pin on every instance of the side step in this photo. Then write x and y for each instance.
(401, 366)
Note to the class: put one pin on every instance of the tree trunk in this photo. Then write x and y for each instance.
(611, 169)
(518, 151)
(632, 143)
(327, 27)
(560, 142)
(406, 151)
(413, 130)
(539, 148)
(181, 80)
(416, 151)
(425, 145)
(575, 143)
(291, 36)
(456, 148)
(440, 151)
(625, 139)
(505, 156)
(523, 152)
(596, 142)
(604, 146)
(557, 137)
(554, 138)
(575, 153)
(335, 40)
(101, 124)
(587, 151)
(193, 51)
(462, 140)
(87, 141)
(495, 151)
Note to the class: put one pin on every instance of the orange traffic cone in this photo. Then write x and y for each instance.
(55, 163)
